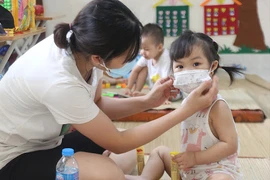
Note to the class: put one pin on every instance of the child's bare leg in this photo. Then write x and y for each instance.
(158, 161)
(126, 161)
(220, 176)
(140, 81)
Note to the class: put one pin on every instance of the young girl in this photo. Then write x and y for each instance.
(209, 144)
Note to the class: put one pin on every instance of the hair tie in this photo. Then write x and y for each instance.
(68, 35)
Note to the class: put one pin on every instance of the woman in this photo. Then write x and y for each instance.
(58, 82)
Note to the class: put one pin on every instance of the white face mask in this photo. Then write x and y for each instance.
(189, 80)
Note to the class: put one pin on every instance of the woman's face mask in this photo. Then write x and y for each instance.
(123, 71)
(189, 80)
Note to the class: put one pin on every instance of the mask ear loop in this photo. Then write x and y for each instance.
(104, 66)
(172, 76)
(210, 70)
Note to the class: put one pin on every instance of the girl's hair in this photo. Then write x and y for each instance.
(182, 47)
(103, 27)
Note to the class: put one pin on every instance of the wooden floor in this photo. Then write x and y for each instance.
(254, 137)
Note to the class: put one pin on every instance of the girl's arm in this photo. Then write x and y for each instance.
(103, 132)
(224, 128)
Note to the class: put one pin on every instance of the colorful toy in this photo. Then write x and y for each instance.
(114, 95)
(39, 10)
(118, 86)
(107, 85)
(174, 168)
(123, 85)
(140, 159)
(15, 12)
(108, 94)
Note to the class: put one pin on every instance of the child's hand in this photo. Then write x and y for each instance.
(185, 160)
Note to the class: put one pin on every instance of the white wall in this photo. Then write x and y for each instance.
(255, 63)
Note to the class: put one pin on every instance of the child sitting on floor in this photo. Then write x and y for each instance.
(155, 60)
(209, 140)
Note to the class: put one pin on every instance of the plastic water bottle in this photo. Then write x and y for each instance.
(67, 167)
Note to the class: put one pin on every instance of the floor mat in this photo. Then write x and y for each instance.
(252, 168)
(244, 108)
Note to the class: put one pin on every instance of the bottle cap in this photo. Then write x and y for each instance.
(68, 152)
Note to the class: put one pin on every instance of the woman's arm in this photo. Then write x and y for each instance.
(224, 127)
(102, 131)
(116, 108)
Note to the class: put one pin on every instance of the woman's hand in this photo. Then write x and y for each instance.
(202, 97)
(162, 90)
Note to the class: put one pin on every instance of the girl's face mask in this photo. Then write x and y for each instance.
(189, 80)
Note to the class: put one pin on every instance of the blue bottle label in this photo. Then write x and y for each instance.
(62, 176)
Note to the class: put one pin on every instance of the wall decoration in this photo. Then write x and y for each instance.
(171, 2)
(220, 2)
(173, 19)
(221, 20)
(250, 32)
(242, 50)
(187, 2)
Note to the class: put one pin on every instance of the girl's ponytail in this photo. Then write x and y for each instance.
(232, 71)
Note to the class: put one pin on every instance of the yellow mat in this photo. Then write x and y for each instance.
(252, 169)
(257, 80)
(236, 98)
(244, 107)
(254, 138)
(255, 169)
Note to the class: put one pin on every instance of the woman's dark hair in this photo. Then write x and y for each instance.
(182, 47)
(155, 31)
(103, 27)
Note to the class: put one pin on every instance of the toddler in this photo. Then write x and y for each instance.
(154, 63)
